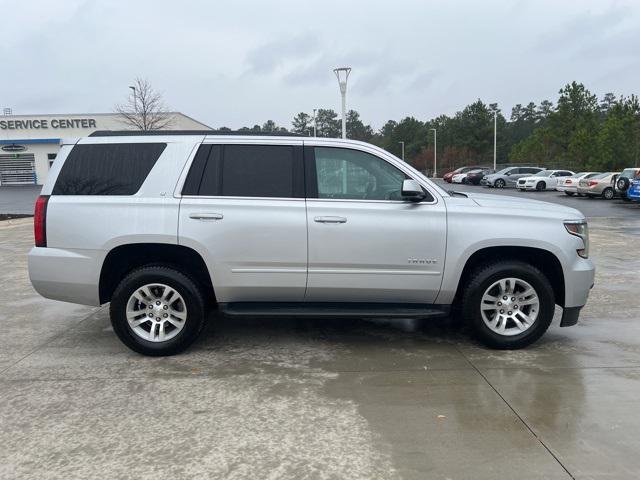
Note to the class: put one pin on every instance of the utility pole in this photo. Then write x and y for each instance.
(314, 122)
(435, 151)
(342, 74)
(402, 143)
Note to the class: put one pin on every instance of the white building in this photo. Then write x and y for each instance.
(29, 143)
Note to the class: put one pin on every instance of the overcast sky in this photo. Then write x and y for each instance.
(237, 63)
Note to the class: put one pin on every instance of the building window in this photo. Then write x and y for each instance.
(51, 157)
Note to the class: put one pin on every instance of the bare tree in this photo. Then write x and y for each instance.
(145, 109)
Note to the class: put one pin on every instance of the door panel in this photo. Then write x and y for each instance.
(382, 252)
(243, 210)
(365, 243)
(256, 250)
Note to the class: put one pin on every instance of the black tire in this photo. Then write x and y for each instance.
(540, 186)
(623, 184)
(185, 286)
(482, 278)
(581, 194)
(569, 193)
(608, 193)
(499, 183)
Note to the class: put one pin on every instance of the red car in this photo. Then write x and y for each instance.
(447, 176)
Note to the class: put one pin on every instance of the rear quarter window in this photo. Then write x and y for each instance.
(107, 169)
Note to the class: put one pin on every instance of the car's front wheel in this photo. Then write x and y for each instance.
(499, 183)
(157, 311)
(508, 304)
(540, 186)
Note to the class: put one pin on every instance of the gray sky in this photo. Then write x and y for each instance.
(237, 63)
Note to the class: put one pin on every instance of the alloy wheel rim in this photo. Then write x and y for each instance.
(510, 306)
(156, 312)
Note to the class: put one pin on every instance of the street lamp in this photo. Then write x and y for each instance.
(402, 143)
(495, 136)
(314, 122)
(133, 89)
(342, 73)
(435, 150)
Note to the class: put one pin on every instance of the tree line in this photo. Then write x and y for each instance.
(578, 132)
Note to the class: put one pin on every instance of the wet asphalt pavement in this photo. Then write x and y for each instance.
(325, 399)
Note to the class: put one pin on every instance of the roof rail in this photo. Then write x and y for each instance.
(136, 133)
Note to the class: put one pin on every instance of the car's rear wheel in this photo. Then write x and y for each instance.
(508, 304)
(540, 186)
(607, 193)
(569, 193)
(499, 183)
(157, 311)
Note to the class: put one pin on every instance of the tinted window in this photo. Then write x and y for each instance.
(516, 171)
(351, 174)
(107, 169)
(246, 171)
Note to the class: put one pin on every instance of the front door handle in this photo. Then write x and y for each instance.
(330, 219)
(206, 216)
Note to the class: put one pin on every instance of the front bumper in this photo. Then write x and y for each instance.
(578, 281)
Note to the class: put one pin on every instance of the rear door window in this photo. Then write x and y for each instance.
(107, 169)
(273, 171)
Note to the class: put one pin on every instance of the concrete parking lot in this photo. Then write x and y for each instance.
(324, 399)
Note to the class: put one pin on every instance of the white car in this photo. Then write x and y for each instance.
(544, 180)
(166, 225)
(569, 185)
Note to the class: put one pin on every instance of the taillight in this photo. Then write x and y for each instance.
(40, 221)
(568, 182)
(592, 183)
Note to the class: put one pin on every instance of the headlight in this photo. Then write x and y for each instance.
(579, 228)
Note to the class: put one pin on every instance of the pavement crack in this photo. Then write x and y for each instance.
(522, 420)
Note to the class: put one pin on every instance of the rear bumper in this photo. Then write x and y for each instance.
(66, 275)
(562, 188)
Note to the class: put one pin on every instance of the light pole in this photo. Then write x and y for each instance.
(314, 122)
(133, 89)
(342, 73)
(402, 143)
(495, 136)
(435, 150)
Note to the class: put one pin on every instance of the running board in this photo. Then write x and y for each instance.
(319, 309)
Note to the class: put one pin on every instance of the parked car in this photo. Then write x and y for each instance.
(464, 177)
(508, 177)
(474, 177)
(164, 226)
(623, 181)
(598, 185)
(633, 193)
(544, 180)
(569, 185)
(448, 177)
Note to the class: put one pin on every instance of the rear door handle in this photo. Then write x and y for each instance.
(206, 216)
(330, 219)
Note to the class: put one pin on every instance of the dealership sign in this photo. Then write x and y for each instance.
(45, 124)
(13, 148)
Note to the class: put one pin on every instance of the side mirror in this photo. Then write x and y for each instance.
(412, 191)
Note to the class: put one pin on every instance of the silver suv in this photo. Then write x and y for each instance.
(166, 227)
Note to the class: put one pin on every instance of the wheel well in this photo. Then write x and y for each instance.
(544, 260)
(126, 258)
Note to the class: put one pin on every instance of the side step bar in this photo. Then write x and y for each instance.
(319, 309)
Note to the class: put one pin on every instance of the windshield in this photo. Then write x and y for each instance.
(577, 175)
(504, 170)
(601, 175)
(544, 173)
